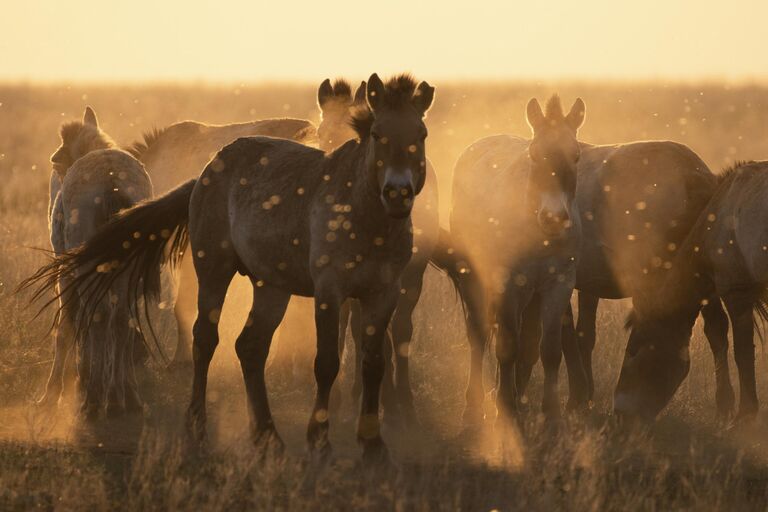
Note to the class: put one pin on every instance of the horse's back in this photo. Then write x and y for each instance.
(638, 201)
(735, 239)
(97, 186)
(488, 191)
(182, 150)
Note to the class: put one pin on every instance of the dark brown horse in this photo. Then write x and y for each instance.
(725, 255)
(295, 220)
(337, 106)
(523, 243)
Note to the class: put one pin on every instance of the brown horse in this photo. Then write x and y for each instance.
(176, 153)
(295, 220)
(525, 243)
(636, 203)
(337, 106)
(725, 255)
(90, 183)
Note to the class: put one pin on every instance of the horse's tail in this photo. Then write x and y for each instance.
(450, 260)
(134, 243)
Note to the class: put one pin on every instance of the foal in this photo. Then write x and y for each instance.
(295, 220)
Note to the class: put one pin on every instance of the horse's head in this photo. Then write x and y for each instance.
(78, 139)
(394, 133)
(336, 104)
(554, 153)
(655, 363)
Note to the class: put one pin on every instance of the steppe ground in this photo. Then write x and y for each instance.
(685, 461)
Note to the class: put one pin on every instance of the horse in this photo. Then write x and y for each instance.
(636, 203)
(92, 181)
(176, 153)
(337, 106)
(724, 256)
(296, 221)
(525, 245)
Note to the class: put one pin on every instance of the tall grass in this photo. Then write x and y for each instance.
(686, 461)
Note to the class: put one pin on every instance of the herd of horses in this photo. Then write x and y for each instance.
(347, 213)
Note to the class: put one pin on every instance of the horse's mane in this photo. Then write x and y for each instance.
(73, 129)
(140, 148)
(398, 92)
(554, 108)
(341, 87)
(730, 172)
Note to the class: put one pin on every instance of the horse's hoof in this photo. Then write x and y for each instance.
(47, 401)
(472, 418)
(90, 412)
(268, 443)
(195, 426)
(320, 456)
(375, 454)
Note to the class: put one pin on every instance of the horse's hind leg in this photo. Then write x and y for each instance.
(412, 282)
(478, 332)
(528, 348)
(63, 351)
(508, 347)
(716, 331)
(344, 314)
(740, 310)
(356, 329)
(586, 334)
(252, 347)
(578, 380)
(184, 310)
(214, 277)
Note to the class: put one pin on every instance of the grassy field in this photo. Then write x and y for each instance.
(685, 461)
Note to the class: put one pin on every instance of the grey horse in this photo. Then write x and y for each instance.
(91, 182)
(724, 255)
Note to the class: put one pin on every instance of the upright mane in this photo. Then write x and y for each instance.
(140, 148)
(342, 88)
(554, 108)
(732, 170)
(399, 91)
(91, 137)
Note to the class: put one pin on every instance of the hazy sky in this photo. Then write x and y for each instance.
(226, 40)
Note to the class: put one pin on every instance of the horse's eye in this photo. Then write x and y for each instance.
(375, 136)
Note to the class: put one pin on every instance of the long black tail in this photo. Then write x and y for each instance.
(451, 260)
(134, 243)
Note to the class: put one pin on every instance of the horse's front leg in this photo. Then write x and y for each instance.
(328, 300)
(555, 301)
(376, 313)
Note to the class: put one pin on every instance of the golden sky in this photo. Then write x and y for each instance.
(256, 40)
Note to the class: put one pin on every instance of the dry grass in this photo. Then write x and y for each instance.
(684, 462)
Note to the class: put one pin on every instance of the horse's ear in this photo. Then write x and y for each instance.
(534, 115)
(423, 96)
(90, 117)
(359, 98)
(374, 91)
(324, 92)
(575, 117)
